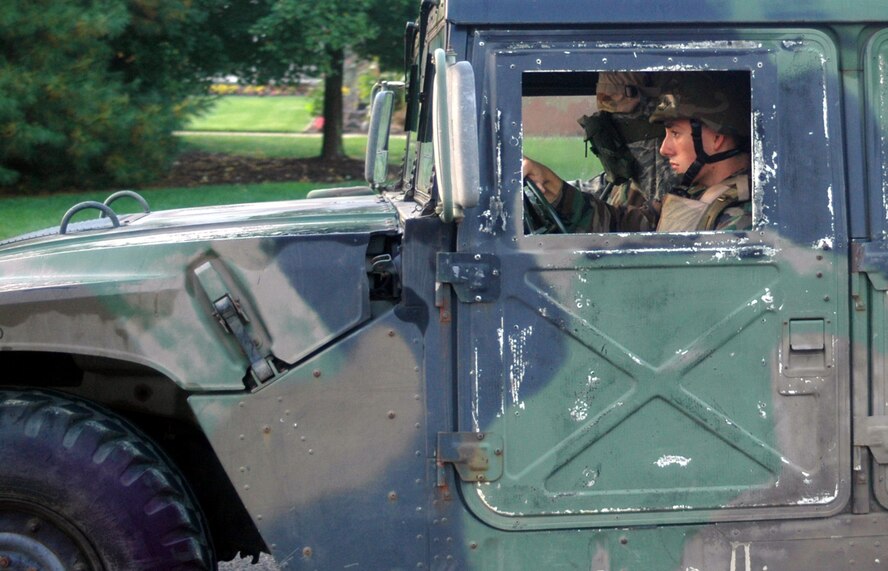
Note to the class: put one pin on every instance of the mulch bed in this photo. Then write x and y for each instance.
(200, 168)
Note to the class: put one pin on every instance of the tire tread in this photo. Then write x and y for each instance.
(115, 447)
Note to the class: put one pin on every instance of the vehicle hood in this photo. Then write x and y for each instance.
(347, 215)
(145, 292)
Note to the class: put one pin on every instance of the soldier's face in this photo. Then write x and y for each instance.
(678, 146)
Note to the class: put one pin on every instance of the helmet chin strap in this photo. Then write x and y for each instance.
(702, 158)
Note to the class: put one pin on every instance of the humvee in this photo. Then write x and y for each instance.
(407, 375)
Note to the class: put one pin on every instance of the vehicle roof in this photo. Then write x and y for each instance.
(568, 12)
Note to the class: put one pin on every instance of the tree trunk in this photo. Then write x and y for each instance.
(333, 148)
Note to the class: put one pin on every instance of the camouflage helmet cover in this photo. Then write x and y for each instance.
(719, 100)
(628, 91)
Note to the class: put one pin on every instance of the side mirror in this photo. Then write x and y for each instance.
(376, 159)
(456, 137)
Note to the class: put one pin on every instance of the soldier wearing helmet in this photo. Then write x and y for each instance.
(707, 142)
(706, 119)
(625, 141)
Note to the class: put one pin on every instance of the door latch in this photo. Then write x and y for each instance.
(233, 318)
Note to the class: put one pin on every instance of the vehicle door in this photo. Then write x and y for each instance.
(650, 378)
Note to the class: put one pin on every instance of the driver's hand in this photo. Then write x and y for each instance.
(541, 175)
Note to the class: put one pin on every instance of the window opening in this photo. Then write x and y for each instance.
(628, 151)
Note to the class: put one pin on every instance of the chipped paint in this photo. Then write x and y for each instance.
(823, 244)
(793, 44)
(829, 205)
(699, 248)
(706, 45)
(825, 104)
(494, 217)
(479, 489)
(675, 517)
(820, 499)
(496, 211)
(476, 396)
(883, 143)
(590, 477)
(747, 561)
(580, 409)
(672, 460)
(582, 302)
(500, 337)
(761, 406)
(518, 367)
(764, 171)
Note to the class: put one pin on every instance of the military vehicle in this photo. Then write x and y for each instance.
(408, 376)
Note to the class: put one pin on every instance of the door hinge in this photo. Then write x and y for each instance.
(477, 456)
(871, 258)
(230, 314)
(475, 277)
(872, 432)
(858, 252)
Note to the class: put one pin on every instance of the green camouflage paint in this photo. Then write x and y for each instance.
(685, 401)
(132, 293)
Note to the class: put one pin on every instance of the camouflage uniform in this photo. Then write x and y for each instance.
(622, 137)
(722, 206)
(730, 209)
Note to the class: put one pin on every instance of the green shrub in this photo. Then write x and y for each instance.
(90, 91)
(315, 105)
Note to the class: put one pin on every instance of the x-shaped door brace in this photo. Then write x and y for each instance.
(650, 382)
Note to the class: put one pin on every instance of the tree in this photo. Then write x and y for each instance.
(294, 36)
(91, 90)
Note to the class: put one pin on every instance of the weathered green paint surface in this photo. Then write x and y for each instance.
(649, 380)
(324, 424)
(132, 293)
(684, 401)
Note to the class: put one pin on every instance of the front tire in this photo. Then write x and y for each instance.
(82, 489)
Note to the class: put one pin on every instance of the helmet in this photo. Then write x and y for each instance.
(719, 100)
(628, 91)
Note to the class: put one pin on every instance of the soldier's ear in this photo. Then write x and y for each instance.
(721, 142)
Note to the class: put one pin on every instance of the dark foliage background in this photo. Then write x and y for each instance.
(91, 90)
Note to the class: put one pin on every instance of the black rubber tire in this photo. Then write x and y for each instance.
(89, 487)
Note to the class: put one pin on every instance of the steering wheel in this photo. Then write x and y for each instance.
(539, 216)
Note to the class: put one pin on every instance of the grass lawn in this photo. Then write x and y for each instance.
(241, 113)
(26, 214)
(279, 114)
(564, 155)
